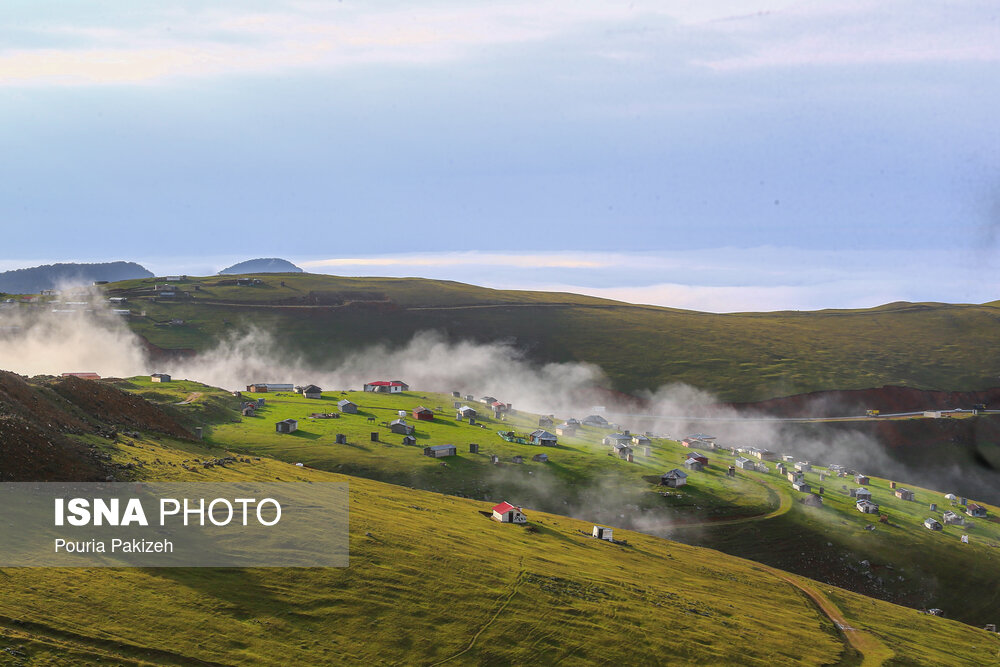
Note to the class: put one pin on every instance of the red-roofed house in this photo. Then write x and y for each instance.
(387, 386)
(507, 513)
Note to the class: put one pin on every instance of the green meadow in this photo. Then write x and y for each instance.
(576, 466)
(433, 581)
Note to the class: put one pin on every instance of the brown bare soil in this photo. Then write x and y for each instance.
(30, 454)
(39, 416)
(113, 406)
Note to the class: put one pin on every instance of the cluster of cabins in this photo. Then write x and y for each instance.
(398, 425)
(249, 408)
(865, 504)
(624, 444)
(571, 426)
(499, 408)
(952, 518)
(743, 463)
(758, 453)
(701, 441)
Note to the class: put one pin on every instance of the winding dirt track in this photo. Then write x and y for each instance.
(191, 398)
(874, 653)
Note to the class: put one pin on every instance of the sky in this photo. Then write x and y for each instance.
(723, 156)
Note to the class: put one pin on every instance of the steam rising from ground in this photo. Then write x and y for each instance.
(39, 341)
(52, 339)
(42, 340)
(428, 363)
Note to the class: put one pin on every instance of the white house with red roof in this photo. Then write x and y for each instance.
(387, 386)
(507, 513)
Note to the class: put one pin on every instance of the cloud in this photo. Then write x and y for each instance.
(164, 42)
(296, 35)
(857, 34)
(753, 298)
(472, 258)
(765, 278)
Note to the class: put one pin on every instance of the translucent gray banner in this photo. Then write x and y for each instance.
(279, 524)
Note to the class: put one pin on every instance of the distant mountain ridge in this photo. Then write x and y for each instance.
(262, 265)
(52, 276)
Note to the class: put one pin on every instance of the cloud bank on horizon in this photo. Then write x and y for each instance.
(718, 156)
(714, 280)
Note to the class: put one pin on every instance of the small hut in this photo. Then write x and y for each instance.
(286, 426)
(310, 391)
(542, 437)
(507, 513)
(401, 427)
(603, 533)
(440, 451)
(673, 478)
(422, 413)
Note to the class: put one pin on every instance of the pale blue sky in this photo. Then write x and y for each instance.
(801, 154)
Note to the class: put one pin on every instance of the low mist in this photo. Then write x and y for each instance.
(427, 363)
(78, 334)
(47, 339)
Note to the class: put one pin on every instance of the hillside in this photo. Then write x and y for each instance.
(41, 423)
(53, 276)
(738, 357)
(755, 515)
(433, 581)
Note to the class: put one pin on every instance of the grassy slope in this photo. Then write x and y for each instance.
(827, 543)
(746, 356)
(576, 464)
(431, 579)
(906, 562)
